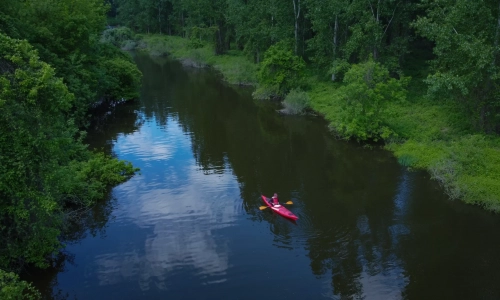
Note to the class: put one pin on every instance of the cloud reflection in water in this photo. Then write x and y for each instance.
(181, 207)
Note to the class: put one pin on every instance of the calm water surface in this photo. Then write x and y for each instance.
(189, 225)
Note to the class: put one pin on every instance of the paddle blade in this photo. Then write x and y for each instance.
(263, 207)
(289, 202)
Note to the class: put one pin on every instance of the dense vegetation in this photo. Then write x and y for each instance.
(420, 75)
(53, 68)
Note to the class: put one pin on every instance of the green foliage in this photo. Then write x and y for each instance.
(61, 27)
(34, 139)
(367, 91)
(118, 36)
(466, 64)
(195, 44)
(259, 24)
(42, 164)
(12, 288)
(337, 34)
(265, 92)
(198, 35)
(467, 166)
(160, 45)
(83, 182)
(281, 68)
(339, 68)
(122, 78)
(236, 68)
(296, 101)
(66, 35)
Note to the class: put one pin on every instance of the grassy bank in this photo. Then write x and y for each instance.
(433, 137)
(234, 66)
(429, 135)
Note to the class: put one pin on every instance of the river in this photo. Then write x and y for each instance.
(188, 226)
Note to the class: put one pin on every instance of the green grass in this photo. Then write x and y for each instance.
(430, 135)
(433, 136)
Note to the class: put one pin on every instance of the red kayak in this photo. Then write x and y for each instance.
(279, 209)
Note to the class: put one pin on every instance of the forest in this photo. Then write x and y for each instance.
(419, 77)
(438, 37)
(53, 69)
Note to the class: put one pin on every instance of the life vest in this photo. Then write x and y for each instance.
(275, 201)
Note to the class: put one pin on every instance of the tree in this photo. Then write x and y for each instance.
(325, 21)
(259, 24)
(34, 139)
(281, 69)
(466, 64)
(367, 91)
(43, 164)
(12, 288)
(66, 35)
(296, 16)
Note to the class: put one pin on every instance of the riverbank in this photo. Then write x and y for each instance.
(429, 135)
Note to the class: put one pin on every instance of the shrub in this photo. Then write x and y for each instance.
(265, 92)
(295, 102)
(117, 36)
(281, 68)
(129, 45)
(12, 288)
(122, 78)
(157, 48)
(368, 90)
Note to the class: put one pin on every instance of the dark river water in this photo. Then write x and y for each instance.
(189, 225)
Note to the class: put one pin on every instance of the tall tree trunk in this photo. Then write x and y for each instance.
(375, 46)
(335, 31)
(220, 38)
(182, 25)
(296, 11)
(159, 15)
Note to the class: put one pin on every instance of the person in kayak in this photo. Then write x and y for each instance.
(274, 200)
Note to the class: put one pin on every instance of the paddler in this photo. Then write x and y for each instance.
(274, 200)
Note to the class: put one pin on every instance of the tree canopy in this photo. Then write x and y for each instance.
(52, 68)
(458, 38)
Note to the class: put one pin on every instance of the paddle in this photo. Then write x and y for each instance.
(264, 207)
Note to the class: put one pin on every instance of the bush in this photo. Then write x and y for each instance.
(12, 288)
(265, 92)
(158, 48)
(195, 44)
(129, 45)
(338, 69)
(41, 161)
(83, 182)
(281, 69)
(117, 36)
(295, 102)
(122, 78)
(368, 90)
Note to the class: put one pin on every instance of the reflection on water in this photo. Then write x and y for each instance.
(189, 225)
(183, 219)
